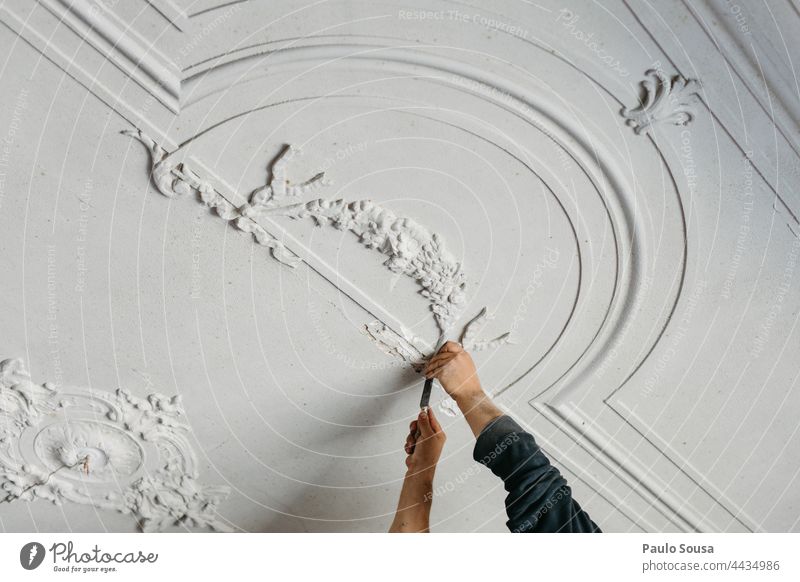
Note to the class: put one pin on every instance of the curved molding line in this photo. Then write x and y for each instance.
(624, 465)
(623, 211)
(758, 63)
(137, 57)
(109, 450)
(667, 100)
(411, 249)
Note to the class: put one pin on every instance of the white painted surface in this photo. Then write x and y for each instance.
(646, 270)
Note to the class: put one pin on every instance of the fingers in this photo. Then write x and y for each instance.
(436, 370)
(448, 349)
(410, 443)
(437, 362)
(411, 438)
(423, 421)
(425, 426)
(452, 347)
(446, 352)
(440, 357)
(434, 422)
(437, 367)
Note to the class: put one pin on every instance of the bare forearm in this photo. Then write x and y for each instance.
(414, 506)
(423, 446)
(478, 409)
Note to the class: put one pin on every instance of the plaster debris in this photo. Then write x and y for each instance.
(449, 407)
(394, 344)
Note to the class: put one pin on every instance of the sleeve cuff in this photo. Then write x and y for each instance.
(495, 438)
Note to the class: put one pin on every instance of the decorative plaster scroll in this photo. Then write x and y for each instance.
(411, 249)
(471, 342)
(109, 450)
(173, 178)
(402, 345)
(666, 100)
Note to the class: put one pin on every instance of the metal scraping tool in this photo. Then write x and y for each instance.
(425, 399)
(424, 402)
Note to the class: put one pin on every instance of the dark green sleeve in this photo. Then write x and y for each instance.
(539, 499)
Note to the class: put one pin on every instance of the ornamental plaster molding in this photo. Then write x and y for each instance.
(114, 450)
(410, 248)
(667, 100)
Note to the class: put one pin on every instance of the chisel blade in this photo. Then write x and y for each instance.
(426, 393)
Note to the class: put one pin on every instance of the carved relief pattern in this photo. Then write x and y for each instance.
(174, 178)
(402, 345)
(83, 445)
(469, 336)
(667, 100)
(110, 450)
(411, 249)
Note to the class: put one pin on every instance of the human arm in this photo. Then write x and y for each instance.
(416, 495)
(539, 498)
(453, 367)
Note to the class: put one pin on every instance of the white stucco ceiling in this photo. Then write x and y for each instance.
(616, 183)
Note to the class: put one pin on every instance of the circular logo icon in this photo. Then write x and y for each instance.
(31, 555)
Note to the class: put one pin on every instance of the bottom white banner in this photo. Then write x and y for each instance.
(382, 557)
